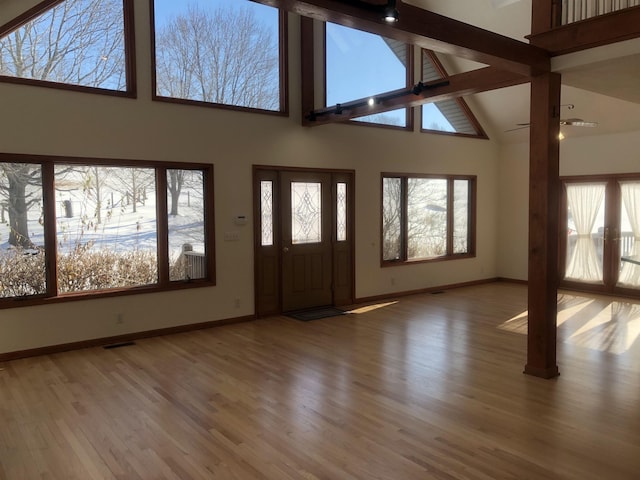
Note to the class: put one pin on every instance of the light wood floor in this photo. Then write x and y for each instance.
(428, 387)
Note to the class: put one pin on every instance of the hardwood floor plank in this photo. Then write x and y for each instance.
(425, 387)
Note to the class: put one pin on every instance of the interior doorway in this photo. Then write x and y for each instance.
(304, 229)
(600, 251)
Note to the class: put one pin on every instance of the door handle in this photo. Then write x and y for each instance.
(285, 249)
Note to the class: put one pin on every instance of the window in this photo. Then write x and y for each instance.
(109, 226)
(451, 116)
(236, 62)
(187, 234)
(427, 217)
(77, 44)
(361, 64)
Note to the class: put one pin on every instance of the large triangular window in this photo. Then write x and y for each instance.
(361, 64)
(447, 116)
(78, 43)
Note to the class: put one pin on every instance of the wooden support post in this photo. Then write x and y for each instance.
(544, 187)
(544, 15)
(307, 60)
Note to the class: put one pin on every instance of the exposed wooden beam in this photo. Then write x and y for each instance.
(544, 185)
(602, 30)
(481, 80)
(427, 30)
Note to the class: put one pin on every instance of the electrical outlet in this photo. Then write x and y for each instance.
(119, 318)
(393, 280)
(237, 303)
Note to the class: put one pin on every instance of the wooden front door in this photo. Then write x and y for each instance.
(306, 240)
(303, 238)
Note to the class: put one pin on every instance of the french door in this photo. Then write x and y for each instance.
(304, 238)
(600, 250)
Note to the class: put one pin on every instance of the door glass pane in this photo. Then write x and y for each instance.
(585, 231)
(22, 257)
(460, 216)
(341, 207)
(185, 200)
(106, 229)
(266, 212)
(426, 218)
(391, 218)
(629, 238)
(306, 212)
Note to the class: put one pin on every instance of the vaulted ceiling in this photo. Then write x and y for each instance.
(602, 83)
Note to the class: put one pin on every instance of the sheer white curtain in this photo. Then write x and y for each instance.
(584, 201)
(630, 274)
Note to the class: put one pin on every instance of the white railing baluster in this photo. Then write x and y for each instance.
(576, 10)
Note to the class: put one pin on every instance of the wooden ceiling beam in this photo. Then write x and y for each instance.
(481, 80)
(429, 30)
(601, 30)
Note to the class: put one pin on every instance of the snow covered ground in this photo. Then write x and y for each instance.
(120, 228)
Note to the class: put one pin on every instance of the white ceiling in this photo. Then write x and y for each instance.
(603, 83)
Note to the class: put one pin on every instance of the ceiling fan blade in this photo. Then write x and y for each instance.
(521, 127)
(578, 122)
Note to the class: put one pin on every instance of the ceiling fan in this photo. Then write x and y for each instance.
(573, 122)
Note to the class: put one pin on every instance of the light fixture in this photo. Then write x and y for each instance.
(371, 102)
(561, 136)
(391, 14)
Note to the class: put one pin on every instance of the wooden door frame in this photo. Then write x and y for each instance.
(268, 259)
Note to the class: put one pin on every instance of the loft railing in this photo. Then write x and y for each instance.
(575, 10)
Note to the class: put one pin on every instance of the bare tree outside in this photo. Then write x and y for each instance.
(175, 182)
(385, 119)
(391, 219)
(20, 191)
(234, 62)
(133, 183)
(425, 218)
(78, 42)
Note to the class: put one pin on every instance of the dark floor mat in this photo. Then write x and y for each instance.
(316, 313)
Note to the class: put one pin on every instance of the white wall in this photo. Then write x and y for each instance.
(13, 8)
(592, 155)
(38, 120)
